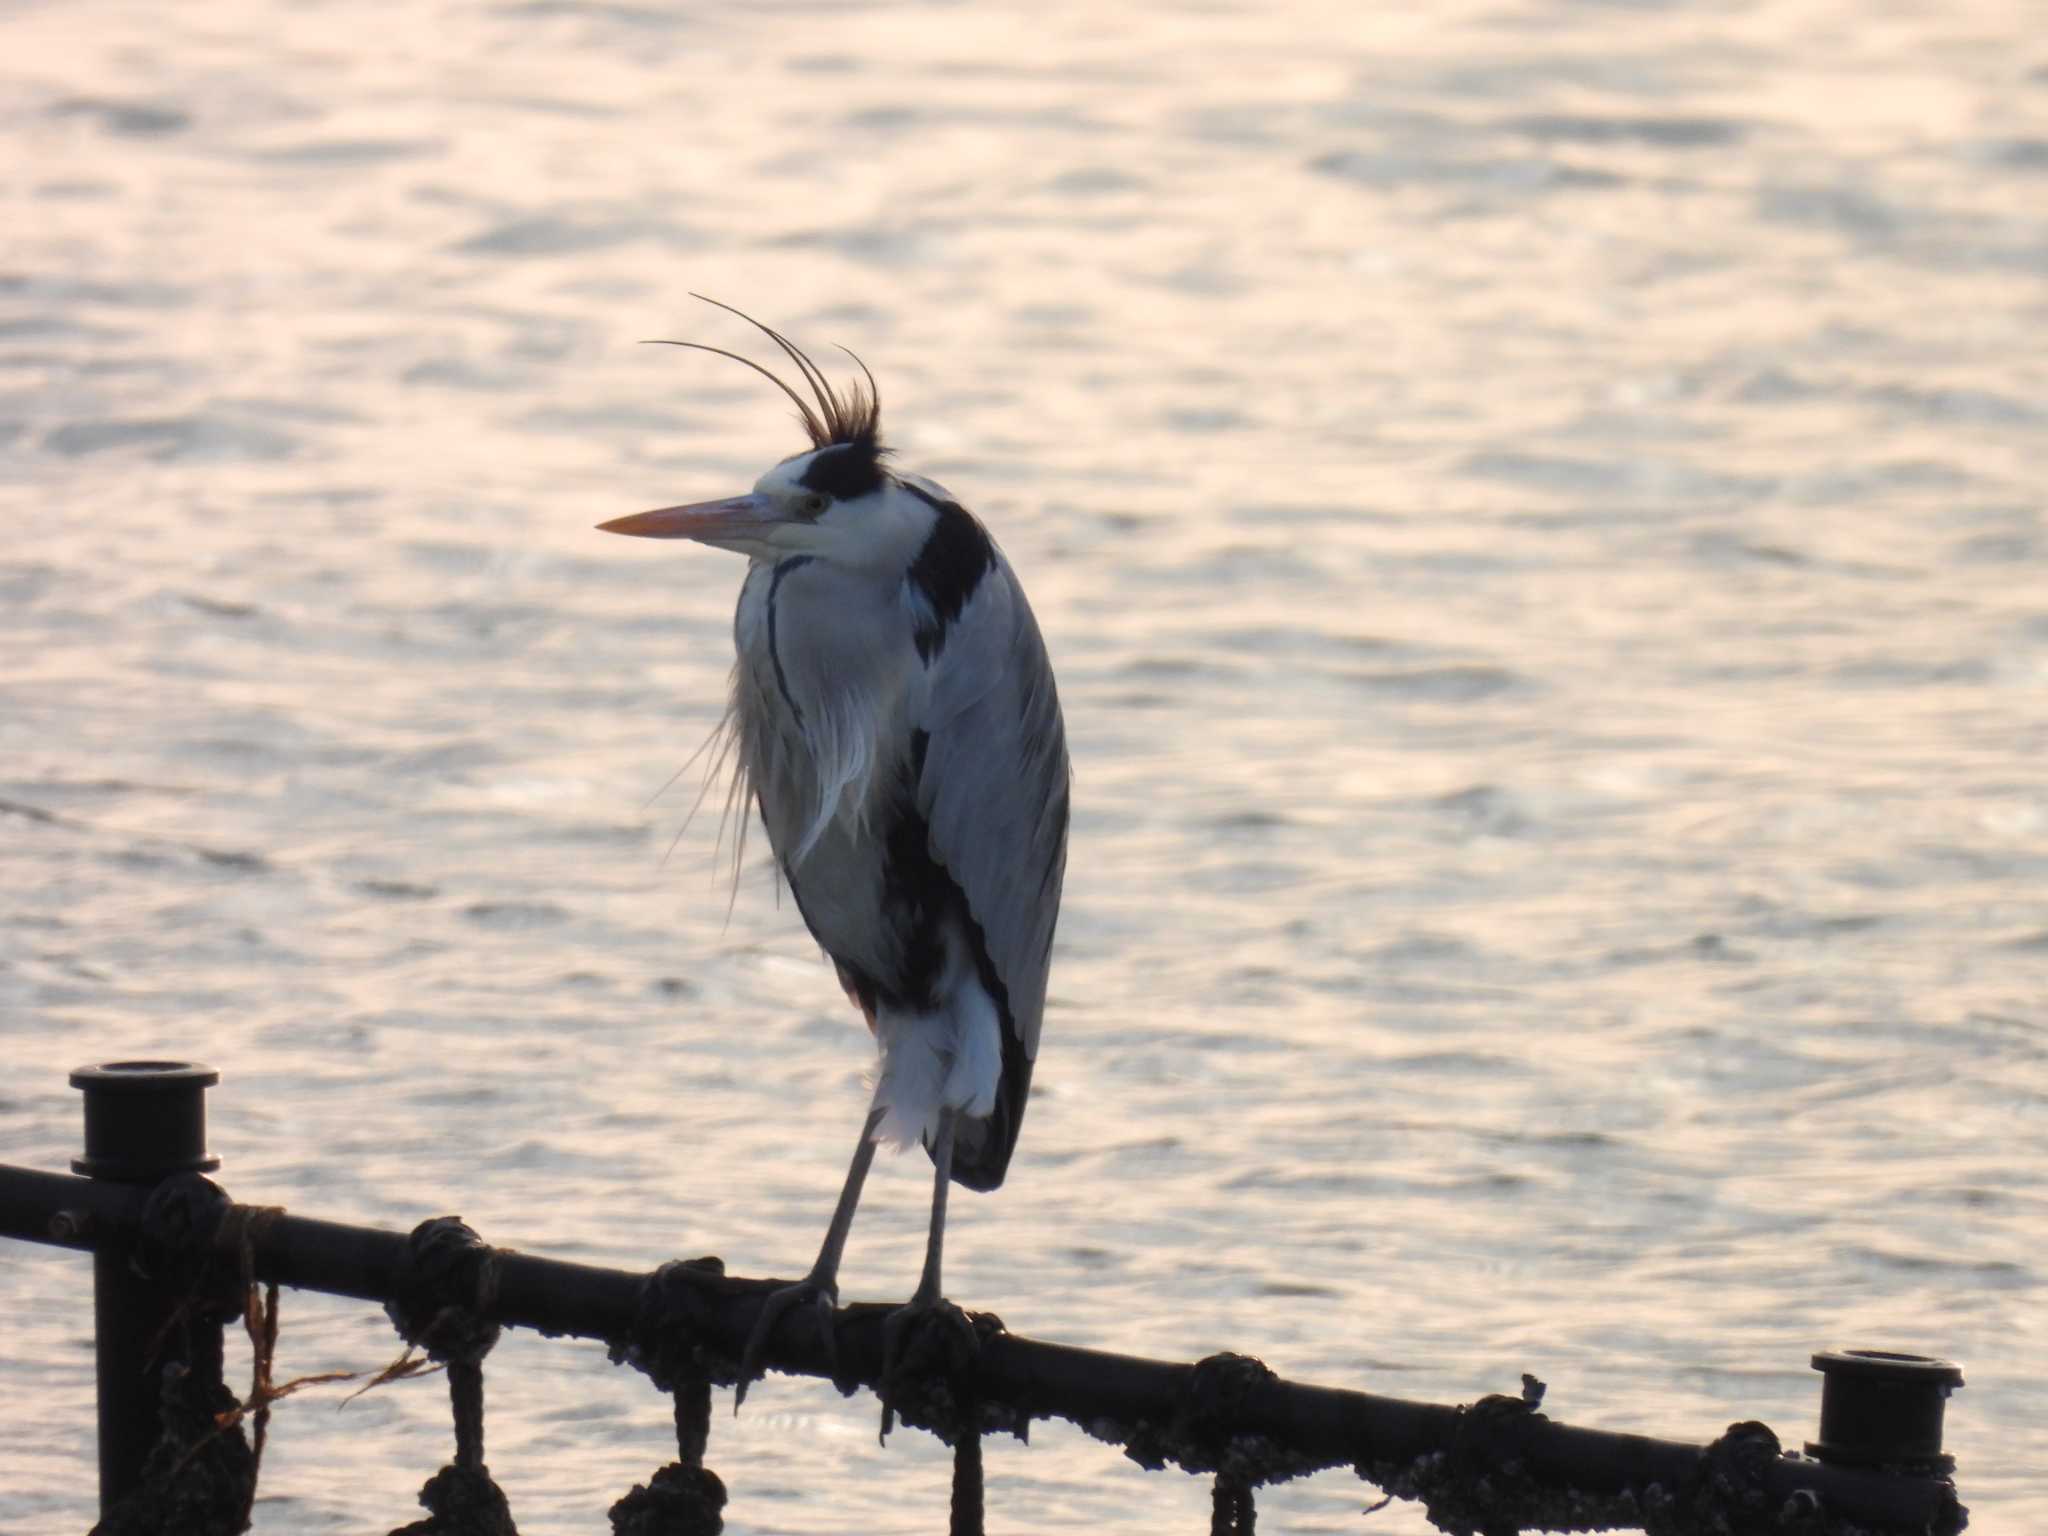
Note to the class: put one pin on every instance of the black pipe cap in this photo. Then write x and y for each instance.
(144, 1120)
(1879, 1409)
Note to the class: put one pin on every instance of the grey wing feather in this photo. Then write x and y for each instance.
(994, 789)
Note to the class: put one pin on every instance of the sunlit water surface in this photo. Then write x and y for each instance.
(1537, 512)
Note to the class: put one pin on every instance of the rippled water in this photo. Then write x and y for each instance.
(1537, 511)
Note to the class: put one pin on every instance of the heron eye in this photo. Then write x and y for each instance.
(814, 505)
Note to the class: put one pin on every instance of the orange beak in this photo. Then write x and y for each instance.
(711, 522)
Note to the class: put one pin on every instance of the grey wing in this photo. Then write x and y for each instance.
(993, 788)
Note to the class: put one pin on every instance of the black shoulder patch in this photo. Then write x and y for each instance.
(845, 471)
(955, 557)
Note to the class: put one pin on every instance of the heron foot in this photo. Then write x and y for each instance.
(926, 1335)
(817, 1293)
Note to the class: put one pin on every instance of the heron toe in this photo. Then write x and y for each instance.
(925, 1337)
(820, 1295)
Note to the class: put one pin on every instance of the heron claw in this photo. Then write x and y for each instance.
(904, 1329)
(821, 1295)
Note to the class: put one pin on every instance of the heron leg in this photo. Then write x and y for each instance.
(818, 1290)
(942, 1180)
(928, 1300)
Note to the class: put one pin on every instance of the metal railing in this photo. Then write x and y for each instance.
(175, 1261)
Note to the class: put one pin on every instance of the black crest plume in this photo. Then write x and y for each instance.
(852, 418)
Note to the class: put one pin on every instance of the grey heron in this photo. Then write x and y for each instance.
(896, 722)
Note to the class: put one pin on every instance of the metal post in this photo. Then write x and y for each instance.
(144, 1121)
(1880, 1409)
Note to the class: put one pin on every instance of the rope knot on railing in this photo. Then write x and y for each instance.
(442, 1293)
(1728, 1492)
(444, 1286)
(668, 1342)
(178, 1247)
(1481, 1483)
(676, 1336)
(1212, 1430)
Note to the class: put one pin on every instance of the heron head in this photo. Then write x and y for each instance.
(811, 502)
